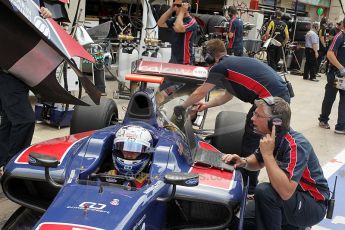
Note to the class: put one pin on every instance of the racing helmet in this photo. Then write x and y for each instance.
(131, 149)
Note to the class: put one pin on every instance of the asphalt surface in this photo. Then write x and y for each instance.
(306, 106)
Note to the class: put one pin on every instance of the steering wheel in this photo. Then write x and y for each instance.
(105, 176)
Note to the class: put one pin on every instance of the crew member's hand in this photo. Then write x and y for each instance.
(201, 106)
(342, 72)
(184, 7)
(267, 143)
(45, 13)
(316, 55)
(236, 159)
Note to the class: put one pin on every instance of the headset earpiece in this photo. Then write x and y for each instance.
(275, 120)
(209, 59)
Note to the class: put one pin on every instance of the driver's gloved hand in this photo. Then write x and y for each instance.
(179, 116)
(179, 112)
(342, 72)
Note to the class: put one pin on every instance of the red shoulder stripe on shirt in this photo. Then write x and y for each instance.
(249, 83)
(293, 154)
(186, 52)
(334, 40)
(190, 23)
(314, 192)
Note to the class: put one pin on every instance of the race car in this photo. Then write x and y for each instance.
(62, 183)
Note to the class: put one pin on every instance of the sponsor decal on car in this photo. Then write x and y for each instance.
(140, 222)
(64, 226)
(193, 181)
(90, 206)
(115, 202)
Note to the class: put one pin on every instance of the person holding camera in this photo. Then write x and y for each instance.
(297, 192)
(246, 78)
(184, 28)
(335, 76)
(278, 30)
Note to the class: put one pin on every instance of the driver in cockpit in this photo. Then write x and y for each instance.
(131, 155)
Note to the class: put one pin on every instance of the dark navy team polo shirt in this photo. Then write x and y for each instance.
(338, 47)
(296, 157)
(247, 78)
(182, 43)
(236, 27)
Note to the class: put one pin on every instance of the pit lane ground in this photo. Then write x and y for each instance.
(306, 106)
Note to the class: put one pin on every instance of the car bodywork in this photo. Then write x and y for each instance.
(86, 203)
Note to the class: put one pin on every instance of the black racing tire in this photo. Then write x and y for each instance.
(23, 218)
(228, 132)
(93, 117)
(205, 18)
(215, 20)
(300, 36)
(302, 26)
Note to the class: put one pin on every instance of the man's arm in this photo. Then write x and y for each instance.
(322, 37)
(278, 178)
(219, 100)
(162, 20)
(198, 94)
(286, 31)
(333, 59)
(315, 46)
(231, 29)
(249, 163)
(179, 26)
(269, 28)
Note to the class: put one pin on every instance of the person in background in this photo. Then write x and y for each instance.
(235, 33)
(311, 53)
(322, 42)
(297, 192)
(278, 30)
(336, 56)
(246, 78)
(184, 28)
(17, 118)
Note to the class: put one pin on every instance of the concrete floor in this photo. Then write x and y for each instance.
(306, 106)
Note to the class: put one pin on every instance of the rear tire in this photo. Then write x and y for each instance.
(228, 133)
(93, 117)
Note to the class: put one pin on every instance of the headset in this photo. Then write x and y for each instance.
(274, 119)
(209, 59)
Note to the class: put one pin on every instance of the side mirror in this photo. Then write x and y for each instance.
(37, 159)
(181, 179)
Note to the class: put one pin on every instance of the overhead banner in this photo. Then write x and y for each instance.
(324, 3)
(32, 48)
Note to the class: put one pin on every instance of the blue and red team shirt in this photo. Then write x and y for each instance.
(338, 47)
(296, 157)
(182, 43)
(247, 78)
(236, 27)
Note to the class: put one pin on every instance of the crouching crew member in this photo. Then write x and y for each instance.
(297, 191)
